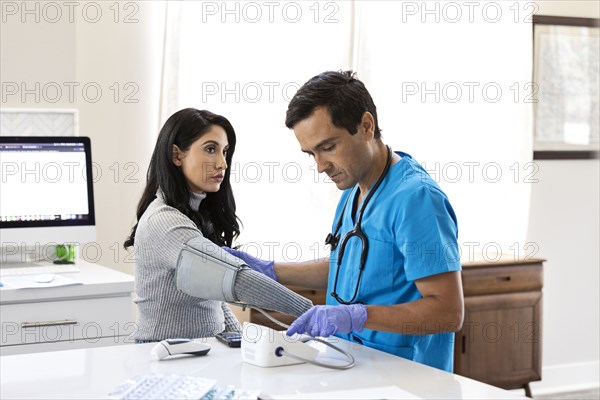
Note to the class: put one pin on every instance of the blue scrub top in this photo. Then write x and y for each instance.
(412, 233)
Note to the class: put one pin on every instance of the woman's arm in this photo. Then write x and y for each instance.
(250, 287)
(231, 322)
(258, 290)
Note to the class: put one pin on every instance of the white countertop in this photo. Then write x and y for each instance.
(93, 373)
(97, 281)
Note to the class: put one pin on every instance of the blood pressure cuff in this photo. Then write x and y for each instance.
(205, 270)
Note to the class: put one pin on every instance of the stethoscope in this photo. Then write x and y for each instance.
(334, 238)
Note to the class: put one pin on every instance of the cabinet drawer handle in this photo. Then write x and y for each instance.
(503, 278)
(48, 323)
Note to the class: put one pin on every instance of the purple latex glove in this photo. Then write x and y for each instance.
(328, 320)
(263, 266)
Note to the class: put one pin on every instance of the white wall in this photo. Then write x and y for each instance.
(568, 8)
(123, 126)
(564, 221)
(90, 43)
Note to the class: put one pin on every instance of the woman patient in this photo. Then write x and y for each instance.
(188, 194)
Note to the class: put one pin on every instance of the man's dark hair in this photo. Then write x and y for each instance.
(345, 97)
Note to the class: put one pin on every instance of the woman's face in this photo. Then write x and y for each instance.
(204, 164)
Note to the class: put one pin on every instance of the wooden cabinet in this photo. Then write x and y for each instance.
(500, 342)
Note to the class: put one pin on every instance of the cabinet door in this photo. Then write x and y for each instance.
(87, 320)
(500, 342)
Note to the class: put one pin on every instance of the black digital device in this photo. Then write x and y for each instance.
(231, 339)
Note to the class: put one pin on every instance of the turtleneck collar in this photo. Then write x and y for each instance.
(196, 199)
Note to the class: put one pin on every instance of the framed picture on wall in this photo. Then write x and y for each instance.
(566, 85)
(39, 122)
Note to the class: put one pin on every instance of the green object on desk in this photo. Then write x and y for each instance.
(65, 254)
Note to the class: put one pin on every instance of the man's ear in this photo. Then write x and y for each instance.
(367, 125)
(177, 155)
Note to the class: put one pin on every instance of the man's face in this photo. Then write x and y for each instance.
(345, 158)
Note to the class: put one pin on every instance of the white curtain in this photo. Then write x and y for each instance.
(450, 92)
(452, 82)
(245, 61)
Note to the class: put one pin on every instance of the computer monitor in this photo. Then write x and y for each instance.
(46, 191)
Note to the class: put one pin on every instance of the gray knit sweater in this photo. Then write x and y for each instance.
(165, 312)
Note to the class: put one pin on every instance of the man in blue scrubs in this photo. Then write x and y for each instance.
(405, 296)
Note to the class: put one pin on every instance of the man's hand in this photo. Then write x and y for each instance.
(328, 320)
(263, 266)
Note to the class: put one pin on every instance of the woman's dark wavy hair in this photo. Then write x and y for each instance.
(216, 216)
(345, 97)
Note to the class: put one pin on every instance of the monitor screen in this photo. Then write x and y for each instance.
(46, 193)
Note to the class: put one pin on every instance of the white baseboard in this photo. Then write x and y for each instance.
(567, 378)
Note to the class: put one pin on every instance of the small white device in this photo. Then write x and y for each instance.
(265, 347)
(171, 347)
